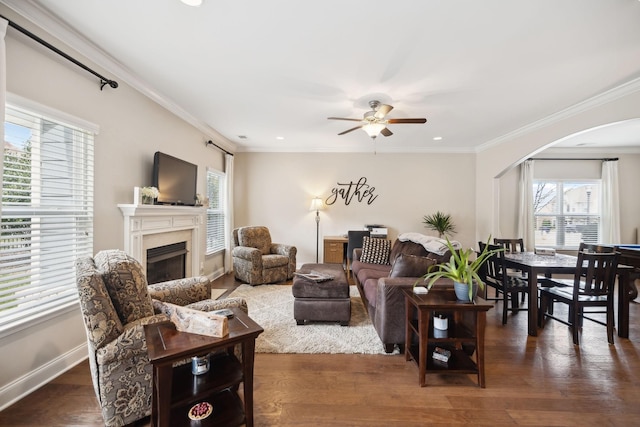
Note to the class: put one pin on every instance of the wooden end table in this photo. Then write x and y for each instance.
(465, 332)
(176, 390)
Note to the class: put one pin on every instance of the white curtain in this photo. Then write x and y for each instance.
(228, 226)
(3, 94)
(610, 203)
(525, 215)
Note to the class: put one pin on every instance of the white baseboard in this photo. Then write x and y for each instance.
(216, 274)
(16, 390)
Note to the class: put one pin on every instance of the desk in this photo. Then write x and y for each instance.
(539, 264)
(175, 390)
(627, 291)
(335, 249)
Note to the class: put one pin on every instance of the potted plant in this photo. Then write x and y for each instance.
(439, 222)
(461, 269)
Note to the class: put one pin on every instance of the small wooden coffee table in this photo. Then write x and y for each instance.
(176, 390)
(465, 332)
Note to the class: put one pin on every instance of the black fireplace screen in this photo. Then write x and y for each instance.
(166, 262)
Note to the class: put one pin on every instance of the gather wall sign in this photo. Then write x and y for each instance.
(348, 191)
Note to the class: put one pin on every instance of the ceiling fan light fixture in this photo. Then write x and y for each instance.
(373, 129)
(194, 3)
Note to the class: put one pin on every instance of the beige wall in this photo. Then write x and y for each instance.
(132, 128)
(275, 190)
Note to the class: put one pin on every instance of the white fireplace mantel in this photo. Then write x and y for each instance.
(144, 224)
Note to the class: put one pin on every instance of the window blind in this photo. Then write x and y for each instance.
(215, 211)
(46, 213)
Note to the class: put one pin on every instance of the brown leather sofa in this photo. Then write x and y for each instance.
(380, 287)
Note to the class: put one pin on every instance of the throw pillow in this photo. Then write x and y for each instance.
(410, 266)
(375, 250)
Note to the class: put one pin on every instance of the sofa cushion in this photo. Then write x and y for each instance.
(408, 247)
(375, 250)
(410, 266)
(126, 284)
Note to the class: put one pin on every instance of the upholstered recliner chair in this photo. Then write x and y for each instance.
(116, 303)
(256, 260)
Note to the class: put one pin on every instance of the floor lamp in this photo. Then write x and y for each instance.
(317, 205)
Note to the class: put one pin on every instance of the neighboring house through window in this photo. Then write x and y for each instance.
(46, 213)
(215, 210)
(567, 212)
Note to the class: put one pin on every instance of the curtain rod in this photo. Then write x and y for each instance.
(103, 80)
(606, 159)
(218, 147)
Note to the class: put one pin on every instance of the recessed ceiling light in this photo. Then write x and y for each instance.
(280, 138)
(195, 3)
(437, 138)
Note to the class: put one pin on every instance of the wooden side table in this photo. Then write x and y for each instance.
(466, 323)
(335, 249)
(176, 390)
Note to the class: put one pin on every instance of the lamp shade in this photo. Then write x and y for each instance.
(316, 204)
(373, 129)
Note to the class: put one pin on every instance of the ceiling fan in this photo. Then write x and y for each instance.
(374, 122)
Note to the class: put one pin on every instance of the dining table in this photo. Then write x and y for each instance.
(534, 265)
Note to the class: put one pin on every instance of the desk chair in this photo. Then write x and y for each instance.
(593, 285)
(354, 241)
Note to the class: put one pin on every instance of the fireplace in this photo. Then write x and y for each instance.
(147, 227)
(166, 262)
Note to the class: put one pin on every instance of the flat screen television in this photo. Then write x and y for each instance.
(175, 179)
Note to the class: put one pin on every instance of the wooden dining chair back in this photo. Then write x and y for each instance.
(593, 285)
(508, 286)
(510, 245)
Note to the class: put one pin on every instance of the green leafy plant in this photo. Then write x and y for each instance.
(460, 267)
(440, 222)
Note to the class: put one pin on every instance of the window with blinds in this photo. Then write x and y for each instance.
(46, 214)
(567, 212)
(215, 211)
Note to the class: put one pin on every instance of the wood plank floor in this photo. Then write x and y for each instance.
(542, 380)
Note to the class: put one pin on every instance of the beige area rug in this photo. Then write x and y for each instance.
(271, 306)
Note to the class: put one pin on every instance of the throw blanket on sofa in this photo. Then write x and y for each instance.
(430, 243)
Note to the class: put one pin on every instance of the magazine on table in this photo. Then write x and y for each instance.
(315, 276)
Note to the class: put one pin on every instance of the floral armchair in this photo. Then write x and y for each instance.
(116, 303)
(257, 260)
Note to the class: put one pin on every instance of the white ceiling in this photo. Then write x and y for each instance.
(477, 70)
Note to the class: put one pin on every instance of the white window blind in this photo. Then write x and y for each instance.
(567, 212)
(215, 211)
(46, 214)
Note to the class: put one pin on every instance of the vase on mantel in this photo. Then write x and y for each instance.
(146, 200)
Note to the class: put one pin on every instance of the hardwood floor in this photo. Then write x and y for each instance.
(542, 380)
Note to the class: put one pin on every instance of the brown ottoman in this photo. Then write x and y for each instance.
(326, 301)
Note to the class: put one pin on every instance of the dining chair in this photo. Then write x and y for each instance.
(593, 285)
(511, 246)
(354, 241)
(508, 286)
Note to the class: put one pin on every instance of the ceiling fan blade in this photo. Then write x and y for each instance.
(342, 118)
(350, 130)
(382, 111)
(406, 121)
(386, 132)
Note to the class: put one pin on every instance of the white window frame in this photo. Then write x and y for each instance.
(591, 213)
(216, 211)
(58, 205)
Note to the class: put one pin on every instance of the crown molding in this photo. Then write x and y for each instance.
(49, 23)
(593, 102)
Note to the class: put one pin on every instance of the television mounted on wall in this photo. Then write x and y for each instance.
(175, 179)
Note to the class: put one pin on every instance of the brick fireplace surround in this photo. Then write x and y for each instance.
(150, 226)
